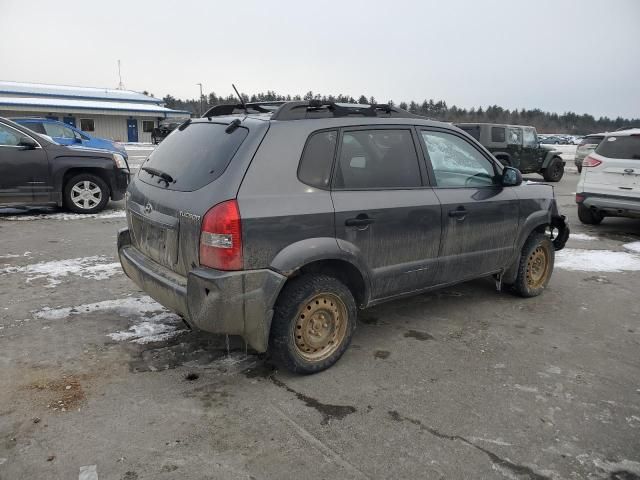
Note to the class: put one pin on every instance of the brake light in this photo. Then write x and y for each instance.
(591, 162)
(221, 237)
(579, 198)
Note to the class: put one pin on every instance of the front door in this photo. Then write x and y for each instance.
(479, 216)
(24, 173)
(384, 213)
(532, 155)
(70, 121)
(132, 130)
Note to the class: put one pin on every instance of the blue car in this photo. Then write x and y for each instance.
(69, 135)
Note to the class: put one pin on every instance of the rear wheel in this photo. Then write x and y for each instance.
(86, 193)
(579, 168)
(536, 266)
(554, 171)
(313, 323)
(588, 216)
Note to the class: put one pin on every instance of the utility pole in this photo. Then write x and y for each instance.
(120, 85)
(201, 106)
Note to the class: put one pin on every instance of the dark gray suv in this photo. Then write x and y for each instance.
(278, 222)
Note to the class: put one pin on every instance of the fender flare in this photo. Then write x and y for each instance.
(550, 156)
(535, 220)
(503, 154)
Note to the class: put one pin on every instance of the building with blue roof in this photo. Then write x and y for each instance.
(120, 115)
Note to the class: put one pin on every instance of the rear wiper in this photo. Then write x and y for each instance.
(158, 173)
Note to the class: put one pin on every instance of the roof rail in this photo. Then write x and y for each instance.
(319, 109)
(235, 108)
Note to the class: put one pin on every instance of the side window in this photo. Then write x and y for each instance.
(456, 163)
(8, 136)
(35, 126)
(53, 130)
(148, 126)
(376, 159)
(529, 137)
(498, 134)
(317, 159)
(68, 133)
(515, 136)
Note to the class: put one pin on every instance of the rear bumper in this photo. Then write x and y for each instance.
(612, 205)
(236, 303)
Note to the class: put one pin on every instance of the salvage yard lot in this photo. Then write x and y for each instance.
(461, 383)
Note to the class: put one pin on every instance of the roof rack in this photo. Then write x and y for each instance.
(309, 109)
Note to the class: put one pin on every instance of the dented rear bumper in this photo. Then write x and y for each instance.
(235, 303)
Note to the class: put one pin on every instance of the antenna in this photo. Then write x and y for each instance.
(240, 97)
(120, 85)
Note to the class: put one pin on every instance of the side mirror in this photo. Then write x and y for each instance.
(511, 177)
(27, 143)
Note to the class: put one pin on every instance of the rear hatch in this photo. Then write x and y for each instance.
(619, 172)
(200, 165)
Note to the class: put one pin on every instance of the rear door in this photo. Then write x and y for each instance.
(384, 210)
(479, 216)
(24, 173)
(619, 172)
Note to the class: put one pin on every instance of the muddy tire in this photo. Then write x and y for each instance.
(554, 171)
(535, 267)
(85, 193)
(588, 216)
(313, 323)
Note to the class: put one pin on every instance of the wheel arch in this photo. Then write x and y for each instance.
(536, 222)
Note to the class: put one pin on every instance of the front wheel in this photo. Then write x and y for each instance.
(554, 171)
(86, 193)
(313, 323)
(535, 267)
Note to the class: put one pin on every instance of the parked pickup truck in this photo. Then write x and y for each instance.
(35, 170)
(518, 146)
(278, 224)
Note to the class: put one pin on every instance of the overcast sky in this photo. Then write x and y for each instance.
(557, 55)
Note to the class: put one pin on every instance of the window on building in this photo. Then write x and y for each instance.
(498, 134)
(456, 163)
(377, 159)
(87, 125)
(315, 166)
(148, 126)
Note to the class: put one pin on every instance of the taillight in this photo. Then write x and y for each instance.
(221, 237)
(579, 198)
(591, 162)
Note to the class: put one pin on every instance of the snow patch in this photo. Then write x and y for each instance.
(66, 216)
(153, 323)
(596, 260)
(97, 267)
(633, 246)
(583, 237)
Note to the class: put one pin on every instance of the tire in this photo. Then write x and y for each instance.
(95, 190)
(554, 171)
(313, 323)
(579, 168)
(538, 253)
(588, 216)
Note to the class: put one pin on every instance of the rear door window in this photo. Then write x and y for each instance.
(377, 159)
(627, 147)
(317, 159)
(35, 126)
(498, 134)
(195, 156)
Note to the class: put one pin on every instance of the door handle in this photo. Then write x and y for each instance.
(361, 220)
(460, 213)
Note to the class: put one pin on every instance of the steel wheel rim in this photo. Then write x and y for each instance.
(86, 195)
(537, 267)
(320, 327)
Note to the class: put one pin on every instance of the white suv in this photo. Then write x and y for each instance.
(609, 184)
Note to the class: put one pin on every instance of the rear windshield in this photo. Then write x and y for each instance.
(590, 140)
(473, 131)
(620, 147)
(195, 156)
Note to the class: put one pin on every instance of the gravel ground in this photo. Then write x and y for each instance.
(100, 382)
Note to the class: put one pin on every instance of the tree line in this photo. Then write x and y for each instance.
(545, 122)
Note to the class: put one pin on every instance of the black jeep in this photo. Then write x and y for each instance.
(161, 132)
(518, 146)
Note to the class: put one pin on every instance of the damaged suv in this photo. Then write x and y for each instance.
(280, 221)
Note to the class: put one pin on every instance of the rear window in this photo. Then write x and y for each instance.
(473, 131)
(590, 141)
(498, 134)
(620, 147)
(195, 156)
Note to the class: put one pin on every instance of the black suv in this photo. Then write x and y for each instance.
(518, 146)
(278, 225)
(34, 170)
